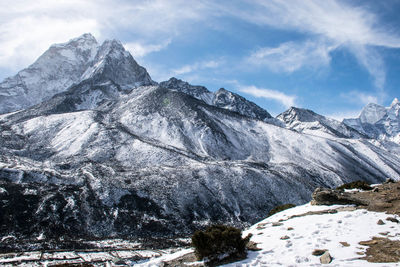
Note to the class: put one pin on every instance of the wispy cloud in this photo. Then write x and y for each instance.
(373, 63)
(284, 99)
(140, 49)
(361, 98)
(291, 56)
(335, 22)
(196, 66)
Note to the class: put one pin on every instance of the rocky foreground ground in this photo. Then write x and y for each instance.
(339, 228)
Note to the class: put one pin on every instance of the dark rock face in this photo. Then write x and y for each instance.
(114, 63)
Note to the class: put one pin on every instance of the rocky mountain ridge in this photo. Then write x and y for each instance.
(307, 121)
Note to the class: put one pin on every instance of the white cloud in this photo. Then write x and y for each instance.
(285, 100)
(211, 64)
(139, 49)
(332, 19)
(21, 48)
(292, 56)
(361, 98)
(335, 22)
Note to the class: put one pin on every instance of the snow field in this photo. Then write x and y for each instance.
(302, 235)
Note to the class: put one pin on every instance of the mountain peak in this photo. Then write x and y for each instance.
(378, 122)
(395, 102)
(82, 42)
(113, 62)
(69, 63)
(199, 92)
(372, 113)
(86, 36)
(228, 100)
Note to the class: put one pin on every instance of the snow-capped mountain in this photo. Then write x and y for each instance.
(309, 122)
(63, 65)
(199, 92)
(221, 98)
(115, 154)
(379, 122)
(234, 102)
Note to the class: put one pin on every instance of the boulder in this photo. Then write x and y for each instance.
(325, 258)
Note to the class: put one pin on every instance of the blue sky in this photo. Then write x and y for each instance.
(330, 56)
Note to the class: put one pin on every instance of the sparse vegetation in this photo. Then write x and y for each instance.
(280, 208)
(355, 185)
(219, 242)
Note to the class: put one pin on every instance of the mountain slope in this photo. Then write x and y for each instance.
(170, 163)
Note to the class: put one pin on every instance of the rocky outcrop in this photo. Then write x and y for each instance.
(383, 198)
(325, 196)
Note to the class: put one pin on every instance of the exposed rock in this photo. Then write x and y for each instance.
(325, 258)
(285, 237)
(392, 219)
(277, 224)
(384, 198)
(290, 228)
(345, 244)
(319, 252)
(252, 246)
(380, 222)
(389, 181)
(368, 243)
(325, 196)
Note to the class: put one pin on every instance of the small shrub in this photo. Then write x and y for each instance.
(355, 185)
(280, 208)
(218, 241)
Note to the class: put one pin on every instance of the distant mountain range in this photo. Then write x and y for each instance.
(91, 146)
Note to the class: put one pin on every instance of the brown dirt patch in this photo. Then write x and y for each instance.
(381, 250)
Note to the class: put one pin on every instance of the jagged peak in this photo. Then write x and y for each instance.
(300, 114)
(222, 91)
(395, 102)
(183, 86)
(113, 43)
(84, 39)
